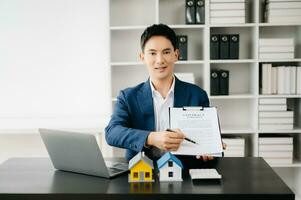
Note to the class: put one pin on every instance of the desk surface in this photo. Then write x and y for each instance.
(243, 178)
(292, 177)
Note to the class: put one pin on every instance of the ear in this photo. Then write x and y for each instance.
(141, 56)
(177, 54)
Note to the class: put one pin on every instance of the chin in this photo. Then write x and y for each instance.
(161, 76)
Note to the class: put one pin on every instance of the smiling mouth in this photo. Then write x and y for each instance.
(160, 68)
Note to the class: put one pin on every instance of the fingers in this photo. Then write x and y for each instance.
(177, 134)
(171, 147)
(167, 140)
(224, 145)
(174, 141)
(205, 157)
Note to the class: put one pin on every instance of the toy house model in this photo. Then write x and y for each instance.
(141, 168)
(170, 168)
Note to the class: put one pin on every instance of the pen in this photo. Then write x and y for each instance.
(185, 138)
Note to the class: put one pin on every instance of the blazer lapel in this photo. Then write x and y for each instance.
(181, 96)
(145, 101)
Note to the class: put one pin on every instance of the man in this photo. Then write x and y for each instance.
(140, 118)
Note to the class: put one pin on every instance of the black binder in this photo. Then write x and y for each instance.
(214, 82)
(224, 82)
(182, 43)
(200, 12)
(190, 12)
(214, 46)
(234, 46)
(224, 47)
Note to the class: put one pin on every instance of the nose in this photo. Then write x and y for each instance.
(160, 58)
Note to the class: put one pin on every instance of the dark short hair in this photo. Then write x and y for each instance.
(159, 30)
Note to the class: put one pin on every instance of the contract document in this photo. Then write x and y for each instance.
(199, 125)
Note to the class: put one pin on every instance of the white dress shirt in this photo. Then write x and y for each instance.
(162, 105)
(161, 111)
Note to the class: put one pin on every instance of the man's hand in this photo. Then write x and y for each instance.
(166, 140)
(207, 157)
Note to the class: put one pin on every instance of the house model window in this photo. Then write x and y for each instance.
(170, 174)
(146, 174)
(135, 174)
(170, 163)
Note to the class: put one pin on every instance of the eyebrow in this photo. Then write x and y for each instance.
(167, 49)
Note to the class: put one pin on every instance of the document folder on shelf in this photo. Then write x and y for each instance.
(224, 82)
(214, 82)
(199, 124)
(182, 42)
(200, 12)
(214, 46)
(224, 46)
(234, 46)
(190, 12)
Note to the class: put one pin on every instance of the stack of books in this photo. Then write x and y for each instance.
(276, 150)
(273, 114)
(227, 11)
(276, 48)
(235, 147)
(280, 79)
(186, 77)
(283, 11)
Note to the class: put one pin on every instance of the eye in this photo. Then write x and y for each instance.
(167, 52)
(152, 53)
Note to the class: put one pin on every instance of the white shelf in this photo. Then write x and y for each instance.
(278, 24)
(188, 62)
(295, 130)
(281, 60)
(233, 96)
(237, 130)
(233, 25)
(234, 61)
(280, 96)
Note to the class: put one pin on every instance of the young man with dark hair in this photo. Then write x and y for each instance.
(140, 118)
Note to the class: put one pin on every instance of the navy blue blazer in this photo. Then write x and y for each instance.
(133, 117)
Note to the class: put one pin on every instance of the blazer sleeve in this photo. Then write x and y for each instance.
(205, 100)
(118, 133)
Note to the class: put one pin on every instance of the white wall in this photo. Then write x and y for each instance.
(54, 62)
(54, 69)
(29, 145)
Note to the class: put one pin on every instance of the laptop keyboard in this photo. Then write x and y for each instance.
(123, 166)
(114, 170)
(116, 165)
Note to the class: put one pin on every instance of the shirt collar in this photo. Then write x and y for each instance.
(171, 90)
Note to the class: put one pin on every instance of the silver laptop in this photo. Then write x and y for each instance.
(80, 153)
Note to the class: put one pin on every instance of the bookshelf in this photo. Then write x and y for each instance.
(238, 111)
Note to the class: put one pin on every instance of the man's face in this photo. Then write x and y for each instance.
(159, 56)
